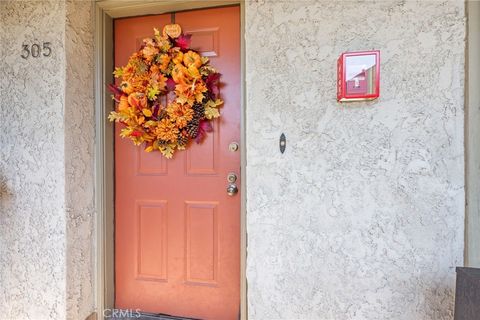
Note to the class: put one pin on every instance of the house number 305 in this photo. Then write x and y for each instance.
(36, 50)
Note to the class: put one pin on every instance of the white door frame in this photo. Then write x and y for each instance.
(105, 12)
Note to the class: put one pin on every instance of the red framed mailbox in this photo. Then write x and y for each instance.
(358, 76)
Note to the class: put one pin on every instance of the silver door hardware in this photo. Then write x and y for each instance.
(233, 146)
(231, 177)
(232, 190)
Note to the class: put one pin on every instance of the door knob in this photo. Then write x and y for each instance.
(232, 189)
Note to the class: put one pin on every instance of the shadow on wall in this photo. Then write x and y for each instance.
(439, 298)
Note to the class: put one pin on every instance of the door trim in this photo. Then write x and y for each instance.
(105, 12)
(472, 131)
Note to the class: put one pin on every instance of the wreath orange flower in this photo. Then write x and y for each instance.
(166, 67)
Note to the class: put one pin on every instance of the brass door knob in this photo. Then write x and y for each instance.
(232, 189)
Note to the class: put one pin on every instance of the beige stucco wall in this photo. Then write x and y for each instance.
(363, 216)
(46, 161)
(79, 121)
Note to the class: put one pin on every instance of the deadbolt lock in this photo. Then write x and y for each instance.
(233, 146)
(231, 177)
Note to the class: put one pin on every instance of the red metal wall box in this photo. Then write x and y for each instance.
(358, 76)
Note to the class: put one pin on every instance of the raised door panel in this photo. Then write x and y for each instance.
(201, 240)
(149, 163)
(151, 231)
(205, 41)
(202, 159)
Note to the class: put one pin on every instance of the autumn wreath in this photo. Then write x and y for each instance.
(167, 94)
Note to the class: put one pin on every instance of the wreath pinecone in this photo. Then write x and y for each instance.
(199, 111)
(182, 140)
(192, 128)
(199, 114)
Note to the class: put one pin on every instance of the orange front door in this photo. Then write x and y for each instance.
(177, 231)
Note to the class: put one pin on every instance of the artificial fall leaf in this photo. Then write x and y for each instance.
(137, 100)
(115, 116)
(199, 97)
(206, 70)
(181, 99)
(214, 104)
(133, 101)
(199, 89)
(150, 51)
(147, 137)
(118, 72)
(156, 109)
(141, 66)
(182, 87)
(211, 110)
(136, 133)
(123, 103)
(152, 93)
(147, 112)
(162, 41)
(203, 127)
(126, 132)
(150, 123)
(212, 83)
(183, 42)
(185, 99)
(190, 100)
(136, 141)
(112, 116)
(164, 61)
(170, 84)
(116, 91)
(167, 150)
(211, 113)
(149, 148)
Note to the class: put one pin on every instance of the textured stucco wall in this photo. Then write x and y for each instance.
(362, 217)
(46, 162)
(32, 209)
(79, 124)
